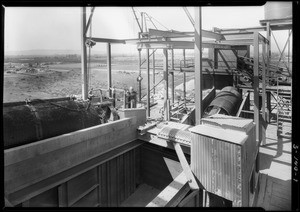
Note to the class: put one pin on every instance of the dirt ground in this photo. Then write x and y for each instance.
(65, 79)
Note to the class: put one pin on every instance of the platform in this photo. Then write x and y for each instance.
(275, 172)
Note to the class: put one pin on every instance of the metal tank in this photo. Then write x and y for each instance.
(278, 10)
(226, 102)
(25, 123)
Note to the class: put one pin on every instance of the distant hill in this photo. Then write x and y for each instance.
(43, 52)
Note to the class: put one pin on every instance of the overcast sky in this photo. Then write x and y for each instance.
(54, 28)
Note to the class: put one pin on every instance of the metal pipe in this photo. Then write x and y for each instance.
(148, 83)
(108, 63)
(263, 92)
(84, 84)
(198, 65)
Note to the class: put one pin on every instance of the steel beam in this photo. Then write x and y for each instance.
(198, 65)
(172, 76)
(148, 83)
(153, 69)
(172, 34)
(166, 87)
(184, 80)
(140, 74)
(84, 82)
(90, 20)
(108, 63)
(183, 45)
(256, 85)
(107, 40)
(263, 91)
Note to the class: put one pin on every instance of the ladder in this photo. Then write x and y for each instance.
(284, 111)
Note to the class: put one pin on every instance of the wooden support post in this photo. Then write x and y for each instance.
(108, 64)
(263, 92)
(84, 82)
(153, 70)
(148, 83)
(184, 80)
(268, 51)
(256, 85)
(166, 87)
(62, 195)
(173, 80)
(140, 74)
(186, 167)
(198, 65)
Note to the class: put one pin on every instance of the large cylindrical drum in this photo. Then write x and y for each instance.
(227, 102)
(41, 119)
(278, 10)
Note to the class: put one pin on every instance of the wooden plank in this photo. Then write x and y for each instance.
(35, 189)
(24, 152)
(172, 194)
(43, 166)
(188, 198)
(85, 193)
(186, 167)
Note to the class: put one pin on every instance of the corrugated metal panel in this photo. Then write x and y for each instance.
(222, 166)
(217, 165)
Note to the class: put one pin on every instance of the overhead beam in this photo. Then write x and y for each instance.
(247, 29)
(170, 34)
(182, 45)
(107, 40)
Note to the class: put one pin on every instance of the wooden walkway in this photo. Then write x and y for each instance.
(275, 172)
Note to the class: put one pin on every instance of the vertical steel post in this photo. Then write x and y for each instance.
(263, 92)
(153, 69)
(84, 81)
(256, 85)
(184, 80)
(140, 74)
(268, 51)
(166, 87)
(198, 65)
(108, 64)
(172, 75)
(148, 82)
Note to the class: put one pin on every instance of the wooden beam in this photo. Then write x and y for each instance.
(172, 194)
(186, 167)
(198, 65)
(31, 163)
(84, 80)
(107, 40)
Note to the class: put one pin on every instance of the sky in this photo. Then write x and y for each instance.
(58, 28)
